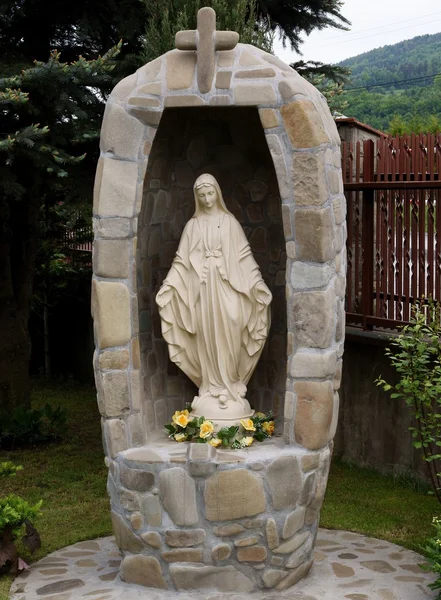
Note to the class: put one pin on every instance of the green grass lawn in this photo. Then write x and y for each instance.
(70, 478)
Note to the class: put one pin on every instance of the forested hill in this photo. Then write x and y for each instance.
(397, 88)
(410, 59)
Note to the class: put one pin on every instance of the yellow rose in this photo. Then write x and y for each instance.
(180, 437)
(248, 424)
(268, 427)
(261, 415)
(181, 418)
(247, 441)
(206, 429)
(215, 442)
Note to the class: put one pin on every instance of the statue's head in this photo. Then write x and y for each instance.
(207, 194)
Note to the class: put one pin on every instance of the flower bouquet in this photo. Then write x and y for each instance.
(184, 428)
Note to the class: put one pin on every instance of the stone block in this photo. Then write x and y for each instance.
(304, 124)
(272, 535)
(220, 100)
(129, 500)
(334, 421)
(143, 570)
(150, 71)
(115, 436)
(152, 538)
(223, 80)
(246, 541)
(135, 479)
(135, 389)
(228, 530)
(180, 69)
(221, 552)
(309, 180)
(113, 360)
(184, 555)
(272, 576)
(151, 509)
(255, 73)
(184, 537)
(335, 181)
(248, 60)
(311, 364)
(252, 554)
(136, 429)
(154, 88)
(278, 157)
(292, 544)
(111, 258)
(178, 494)
(310, 462)
(294, 522)
(269, 118)
(115, 195)
(287, 220)
(301, 555)
(233, 494)
(148, 116)
(314, 232)
(291, 250)
(313, 413)
(252, 95)
(121, 134)
(220, 579)
(337, 376)
(289, 405)
(112, 227)
(136, 358)
(314, 318)
(294, 576)
(125, 538)
(111, 313)
(339, 208)
(115, 394)
(292, 86)
(187, 100)
(274, 60)
(124, 87)
(285, 482)
(306, 276)
(137, 520)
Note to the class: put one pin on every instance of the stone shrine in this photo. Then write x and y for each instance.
(190, 516)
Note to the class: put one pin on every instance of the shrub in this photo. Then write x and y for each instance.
(14, 514)
(432, 550)
(418, 363)
(28, 426)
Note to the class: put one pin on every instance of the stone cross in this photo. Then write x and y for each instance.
(206, 41)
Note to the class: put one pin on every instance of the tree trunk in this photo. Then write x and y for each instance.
(18, 247)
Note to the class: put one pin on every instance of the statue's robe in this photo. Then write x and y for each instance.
(214, 326)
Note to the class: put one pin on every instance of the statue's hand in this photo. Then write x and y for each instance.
(262, 293)
(164, 295)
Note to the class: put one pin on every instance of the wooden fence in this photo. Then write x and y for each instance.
(393, 191)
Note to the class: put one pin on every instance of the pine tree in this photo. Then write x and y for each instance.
(50, 125)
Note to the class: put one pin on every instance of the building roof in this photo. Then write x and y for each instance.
(353, 122)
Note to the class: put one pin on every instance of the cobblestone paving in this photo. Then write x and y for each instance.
(347, 566)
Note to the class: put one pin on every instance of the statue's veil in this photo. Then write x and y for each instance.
(207, 179)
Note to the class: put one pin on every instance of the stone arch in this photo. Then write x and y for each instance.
(304, 146)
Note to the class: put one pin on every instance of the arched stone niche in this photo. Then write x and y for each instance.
(229, 143)
(269, 137)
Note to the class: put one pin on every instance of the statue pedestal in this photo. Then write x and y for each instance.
(189, 516)
(221, 415)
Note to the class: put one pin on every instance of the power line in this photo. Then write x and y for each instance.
(368, 87)
(381, 33)
(381, 26)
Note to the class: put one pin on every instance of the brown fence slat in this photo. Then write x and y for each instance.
(393, 190)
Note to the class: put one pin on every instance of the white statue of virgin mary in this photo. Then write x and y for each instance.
(214, 308)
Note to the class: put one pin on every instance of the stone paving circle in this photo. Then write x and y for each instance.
(347, 566)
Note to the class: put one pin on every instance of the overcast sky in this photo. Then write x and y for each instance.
(374, 23)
